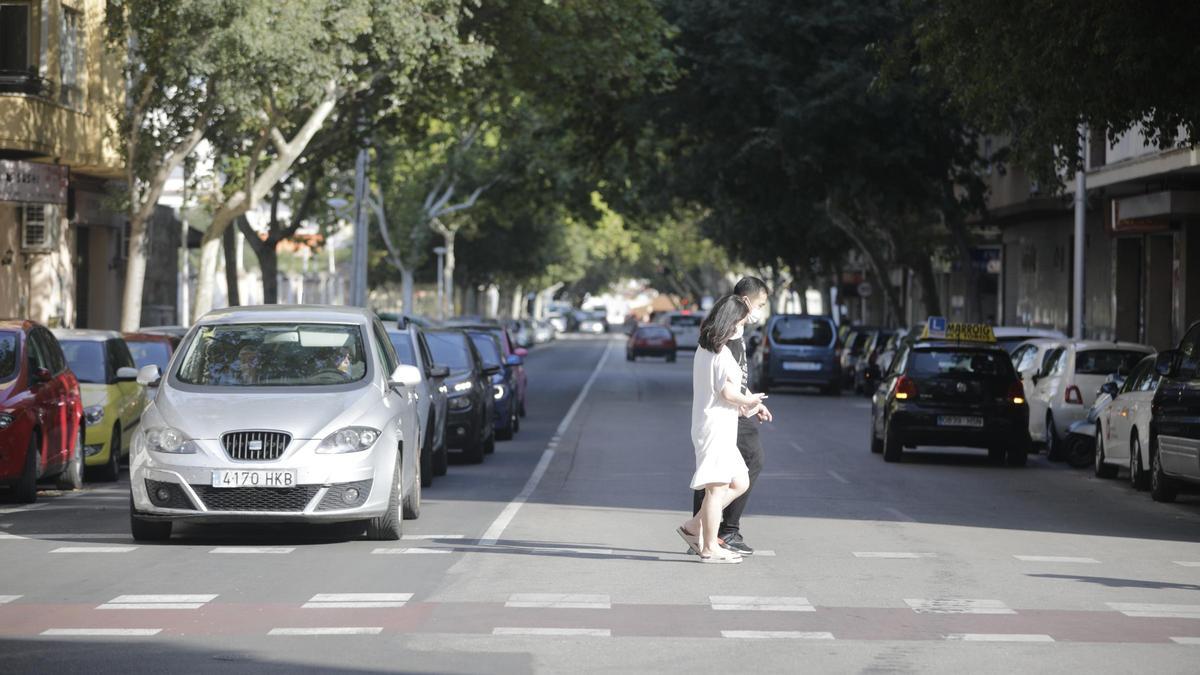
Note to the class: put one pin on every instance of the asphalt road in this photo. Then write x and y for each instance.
(558, 554)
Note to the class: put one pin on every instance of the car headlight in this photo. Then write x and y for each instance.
(458, 402)
(350, 439)
(462, 386)
(169, 440)
(93, 415)
(6, 420)
(498, 391)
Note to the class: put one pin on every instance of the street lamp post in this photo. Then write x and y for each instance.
(441, 253)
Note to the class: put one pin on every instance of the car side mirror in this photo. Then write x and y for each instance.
(42, 375)
(1167, 363)
(491, 370)
(405, 376)
(514, 359)
(1109, 388)
(149, 376)
(127, 374)
(439, 372)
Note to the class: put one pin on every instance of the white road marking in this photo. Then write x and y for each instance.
(796, 447)
(760, 603)
(94, 549)
(331, 630)
(253, 549)
(1186, 640)
(101, 632)
(554, 632)
(5, 599)
(1187, 563)
(492, 535)
(957, 606)
(1056, 559)
(431, 536)
(838, 477)
(6, 524)
(893, 555)
(357, 600)
(900, 514)
(408, 551)
(22, 509)
(764, 553)
(6, 535)
(1151, 610)
(1000, 637)
(776, 635)
(559, 601)
(165, 601)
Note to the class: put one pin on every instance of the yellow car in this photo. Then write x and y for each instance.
(112, 399)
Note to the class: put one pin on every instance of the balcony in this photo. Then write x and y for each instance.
(23, 82)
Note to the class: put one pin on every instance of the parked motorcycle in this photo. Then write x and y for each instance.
(1081, 435)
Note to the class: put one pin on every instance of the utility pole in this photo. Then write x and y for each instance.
(358, 289)
(440, 251)
(1080, 228)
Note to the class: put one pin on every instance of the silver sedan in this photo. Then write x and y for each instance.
(279, 413)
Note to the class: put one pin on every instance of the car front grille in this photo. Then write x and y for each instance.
(283, 500)
(255, 445)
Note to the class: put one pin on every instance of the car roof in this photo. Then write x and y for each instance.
(270, 313)
(964, 345)
(85, 334)
(1086, 345)
(146, 337)
(1009, 332)
(17, 324)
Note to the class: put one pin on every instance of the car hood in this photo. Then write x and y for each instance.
(93, 394)
(306, 416)
(457, 377)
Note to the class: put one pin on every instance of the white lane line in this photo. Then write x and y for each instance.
(900, 514)
(554, 632)
(1186, 640)
(1056, 559)
(6, 524)
(957, 606)
(838, 477)
(22, 509)
(357, 600)
(764, 553)
(5, 599)
(253, 549)
(776, 635)
(1000, 637)
(165, 601)
(409, 551)
(893, 555)
(559, 601)
(101, 632)
(77, 535)
(1151, 610)
(94, 549)
(408, 537)
(6, 535)
(760, 603)
(1188, 563)
(492, 535)
(796, 446)
(330, 630)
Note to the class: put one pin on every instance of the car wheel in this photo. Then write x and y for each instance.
(670, 358)
(506, 433)
(72, 477)
(26, 488)
(832, 389)
(1100, 467)
(412, 499)
(1138, 477)
(522, 409)
(516, 423)
(426, 463)
(1162, 487)
(996, 454)
(876, 442)
(1018, 453)
(388, 525)
(441, 459)
(111, 470)
(893, 450)
(489, 446)
(1053, 445)
(147, 530)
(629, 356)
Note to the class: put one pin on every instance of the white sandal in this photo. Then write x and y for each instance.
(722, 558)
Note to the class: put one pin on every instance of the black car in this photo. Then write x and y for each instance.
(469, 402)
(1175, 419)
(504, 388)
(951, 393)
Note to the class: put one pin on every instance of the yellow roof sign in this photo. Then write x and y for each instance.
(937, 328)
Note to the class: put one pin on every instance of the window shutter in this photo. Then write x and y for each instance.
(37, 223)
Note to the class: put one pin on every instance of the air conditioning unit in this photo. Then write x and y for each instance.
(39, 224)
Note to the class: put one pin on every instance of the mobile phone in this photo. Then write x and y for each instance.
(763, 397)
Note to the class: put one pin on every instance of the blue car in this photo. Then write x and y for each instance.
(505, 388)
(796, 349)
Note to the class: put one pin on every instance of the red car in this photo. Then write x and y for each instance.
(651, 340)
(41, 411)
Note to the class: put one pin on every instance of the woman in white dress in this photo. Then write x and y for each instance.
(717, 400)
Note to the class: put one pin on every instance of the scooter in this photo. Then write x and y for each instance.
(1081, 435)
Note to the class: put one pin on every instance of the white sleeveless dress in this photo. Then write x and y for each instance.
(715, 420)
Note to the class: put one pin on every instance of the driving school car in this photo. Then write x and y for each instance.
(953, 386)
(279, 413)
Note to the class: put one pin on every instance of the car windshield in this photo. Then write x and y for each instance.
(654, 333)
(800, 331)
(1106, 361)
(1010, 344)
(931, 363)
(857, 341)
(404, 348)
(488, 351)
(449, 350)
(150, 353)
(9, 346)
(274, 355)
(86, 359)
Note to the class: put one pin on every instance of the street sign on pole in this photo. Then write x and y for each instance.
(358, 292)
(864, 290)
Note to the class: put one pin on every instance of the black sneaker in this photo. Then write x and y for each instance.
(733, 542)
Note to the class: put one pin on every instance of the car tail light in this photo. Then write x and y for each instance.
(1073, 395)
(905, 388)
(1016, 393)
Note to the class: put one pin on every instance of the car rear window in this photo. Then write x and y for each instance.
(449, 350)
(935, 362)
(150, 353)
(654, 333)
(9, 346)
(685, 321)
(803, 331)
(86, 358)
(1106, 361)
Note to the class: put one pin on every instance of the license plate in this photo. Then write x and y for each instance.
(956, 421)
(267, 479)
(808, 366)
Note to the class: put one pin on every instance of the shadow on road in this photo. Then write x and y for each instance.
(1111, 582)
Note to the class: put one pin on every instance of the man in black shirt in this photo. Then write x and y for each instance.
(753, 292)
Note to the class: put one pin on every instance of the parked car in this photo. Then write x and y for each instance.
(685, 325)
(544, 331)
(1080, 443)
(1029, 358)
(505, 388)
(651, 340)
(521, 332)
(1065, 388)
(1011, 337)
(41, 412)
(1123, 433)
(112, 398)
(279, 413)
(886, 354)
(1174, 442)
(795, 349)
(851, 351)
(470, 401)
(866, 377)
(412, 350)
(177, 332)
(152, 349)
(512, 360)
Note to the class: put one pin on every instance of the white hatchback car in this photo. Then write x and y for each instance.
(279, 413)
(1064, 389)
(1123, 436)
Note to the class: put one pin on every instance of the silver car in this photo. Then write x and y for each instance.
(279, 413)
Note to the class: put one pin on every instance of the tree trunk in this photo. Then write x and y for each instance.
(268, 261)
(205, 274)
(135, 274)
(229, 243)
(406, 290)
(448, 270)
(929, 291)
(874, 261)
